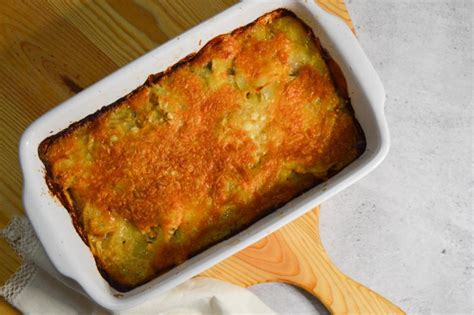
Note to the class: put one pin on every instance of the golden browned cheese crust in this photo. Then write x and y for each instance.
(206, 148)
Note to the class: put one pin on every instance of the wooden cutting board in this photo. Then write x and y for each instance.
(51, 51)
(295, 255)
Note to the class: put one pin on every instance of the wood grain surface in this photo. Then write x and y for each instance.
(295, 255)
(50, 51)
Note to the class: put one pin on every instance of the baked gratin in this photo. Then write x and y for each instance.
(204, 149)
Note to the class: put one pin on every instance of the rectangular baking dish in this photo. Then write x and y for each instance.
(52, 223)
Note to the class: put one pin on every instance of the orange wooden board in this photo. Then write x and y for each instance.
(44, 47)
(295, 255)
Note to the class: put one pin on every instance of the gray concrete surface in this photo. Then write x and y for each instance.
(406, 230)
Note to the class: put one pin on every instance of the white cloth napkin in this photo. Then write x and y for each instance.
(37, 288)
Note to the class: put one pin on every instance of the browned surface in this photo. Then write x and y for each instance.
(175, 174)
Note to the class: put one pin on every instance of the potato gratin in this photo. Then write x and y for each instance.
(204, 149)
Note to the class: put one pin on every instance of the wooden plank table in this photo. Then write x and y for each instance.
(51, 51)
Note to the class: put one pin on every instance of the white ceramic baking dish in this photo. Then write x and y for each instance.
(51, 221)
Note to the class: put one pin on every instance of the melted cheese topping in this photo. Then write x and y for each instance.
(248, 124)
